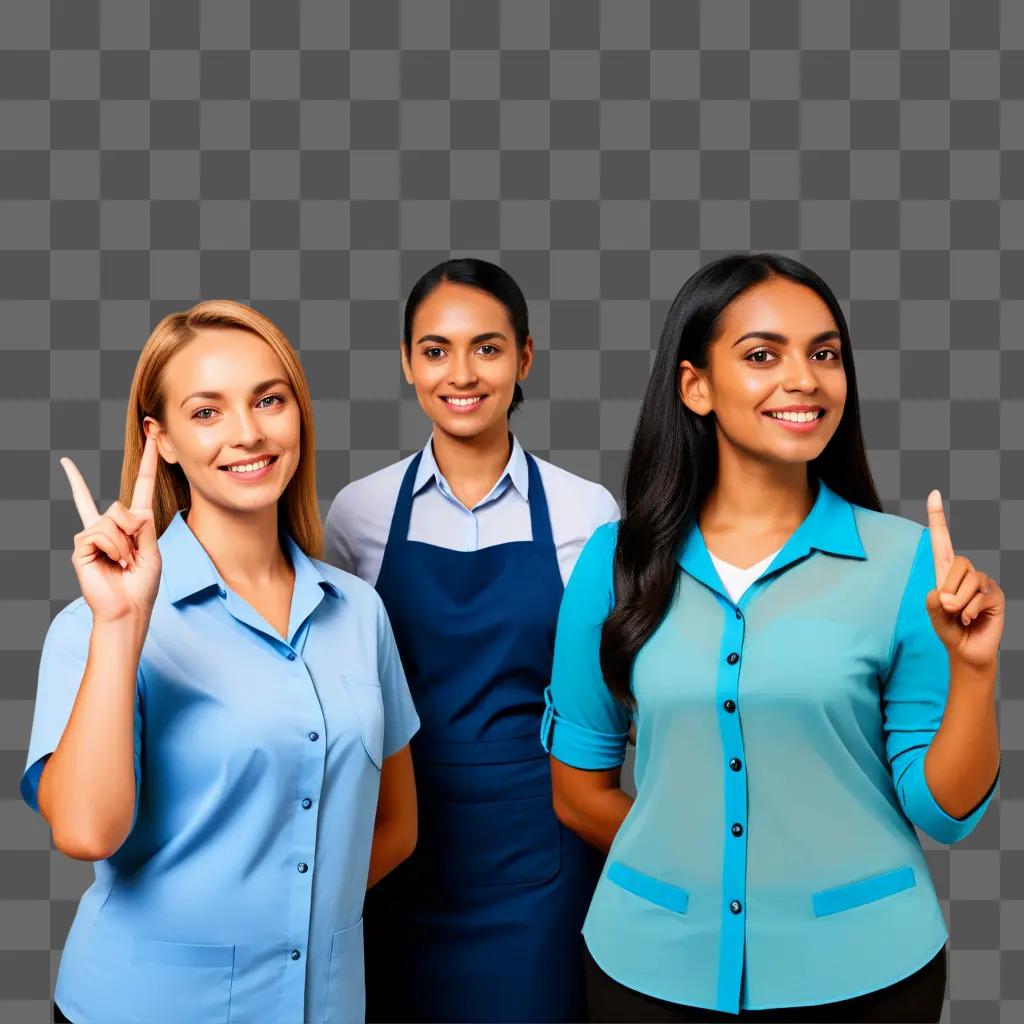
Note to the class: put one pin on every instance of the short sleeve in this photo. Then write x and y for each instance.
(584, 725)
(607, 509)
(401, 722)
(61, 667)
(337, 544)
(913, 701)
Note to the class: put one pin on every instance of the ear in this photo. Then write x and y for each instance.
(694, 390)
(152, 428)
(406, 368)
(525, 358)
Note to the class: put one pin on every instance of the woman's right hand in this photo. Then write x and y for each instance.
(116, 557)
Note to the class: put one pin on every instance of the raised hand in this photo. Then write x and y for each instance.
(968, 607)
(116, 557)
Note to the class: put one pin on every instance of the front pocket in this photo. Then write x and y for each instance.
(671, 897)
(368, 702)
(867, 890)
(505, 842)
(174, 982)
(345, 1002)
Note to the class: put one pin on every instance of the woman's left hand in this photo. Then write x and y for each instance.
(968, 608)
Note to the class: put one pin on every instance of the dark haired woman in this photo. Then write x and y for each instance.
(803, 694)
(469, 543)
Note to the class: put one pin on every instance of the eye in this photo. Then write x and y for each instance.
(203, 414)
(433, 352)
(752, 357)
(488, 349)
(268, 401)
(830, 353)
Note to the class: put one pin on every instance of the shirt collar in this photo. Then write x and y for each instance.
(516, 470)
(830, 527)
(188, 570)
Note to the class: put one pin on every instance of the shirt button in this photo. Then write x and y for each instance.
(222, 592)
(735, 764)
(739, 614)
(733, 658)
(735, 906)
(314, 736)
(303, 868)
(307, 803)
(291, 655)
(730, 706)
(737, 829)
(296, 954)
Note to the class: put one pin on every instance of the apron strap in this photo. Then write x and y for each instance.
(399, 532)
(540, 521)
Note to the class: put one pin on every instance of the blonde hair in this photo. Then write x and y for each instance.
(298, 511)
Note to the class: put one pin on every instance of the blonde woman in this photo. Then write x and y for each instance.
(218, 713)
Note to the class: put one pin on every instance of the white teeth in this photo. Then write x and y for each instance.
(463, 401)
(794, 417)
(249, 467)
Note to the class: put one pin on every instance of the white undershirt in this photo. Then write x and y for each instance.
(735, 579)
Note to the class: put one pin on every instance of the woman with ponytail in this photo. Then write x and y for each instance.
(809, 678)
(469, 542)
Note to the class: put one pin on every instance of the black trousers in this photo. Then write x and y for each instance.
(915, 998)
(58, 1015)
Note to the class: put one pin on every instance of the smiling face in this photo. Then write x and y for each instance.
(774, 377)
(230, 420)
(463, 360)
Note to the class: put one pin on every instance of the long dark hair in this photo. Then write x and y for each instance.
(673, 460)
(488, 277)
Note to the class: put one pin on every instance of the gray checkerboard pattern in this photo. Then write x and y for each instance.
(315, 157)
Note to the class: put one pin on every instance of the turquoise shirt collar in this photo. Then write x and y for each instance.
(830, 527)
(516, 471)
(188, 570)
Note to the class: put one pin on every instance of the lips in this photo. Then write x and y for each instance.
(250, 467)
(463, 404)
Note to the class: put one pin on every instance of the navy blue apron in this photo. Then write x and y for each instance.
(483, 922)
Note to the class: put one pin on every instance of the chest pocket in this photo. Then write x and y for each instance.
(368, 702)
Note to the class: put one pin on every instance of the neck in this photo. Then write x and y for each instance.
(472, 464)
(756, 496)
(244, 546)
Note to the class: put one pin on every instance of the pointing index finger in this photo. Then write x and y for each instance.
(142, 494)
(942, 543)
(80, 493)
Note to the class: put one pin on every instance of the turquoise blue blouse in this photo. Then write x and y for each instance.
(238, 893)
(770, 857)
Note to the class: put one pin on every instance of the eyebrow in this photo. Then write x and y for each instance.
(782, 339)
(475, 340)
(213, 395)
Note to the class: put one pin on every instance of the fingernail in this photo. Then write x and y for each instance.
(122, 563)
(966, 620)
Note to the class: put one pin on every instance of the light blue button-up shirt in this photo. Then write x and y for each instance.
(769, 858)
(238, 893)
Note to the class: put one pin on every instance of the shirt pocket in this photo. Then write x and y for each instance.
(179, 981)
(663, 894)
(345, 1002)
(863, 891)
(368, 702)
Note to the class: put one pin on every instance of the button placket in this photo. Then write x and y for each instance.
(734, 840)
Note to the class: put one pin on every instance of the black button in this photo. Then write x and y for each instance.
(739, 614)
(737, 829)
(291, 655)
(735, 764)
(307, 803)
(735, 906)
(303, 868)
(296, 954)
(733, 658)
(730, 706)
(314, 736)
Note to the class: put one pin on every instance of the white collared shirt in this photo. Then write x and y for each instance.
(359, 520)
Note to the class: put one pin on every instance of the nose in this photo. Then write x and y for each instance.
(799, 374)
(247, 429)
(462, 373)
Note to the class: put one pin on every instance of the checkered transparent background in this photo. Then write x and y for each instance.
(316, 157)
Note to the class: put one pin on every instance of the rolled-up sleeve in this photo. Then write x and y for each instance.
(583, 724)
(401, 721)
(913, 701)
(61, 667)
